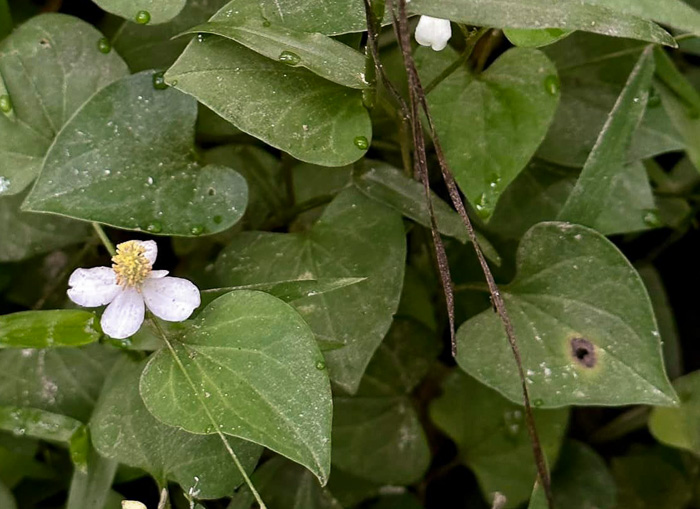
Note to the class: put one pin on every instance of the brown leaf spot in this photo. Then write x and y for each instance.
(583, 352)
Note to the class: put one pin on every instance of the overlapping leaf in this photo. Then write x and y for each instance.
(43, 329)
(144, 11)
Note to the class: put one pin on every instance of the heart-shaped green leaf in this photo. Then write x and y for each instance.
(584, 324)
(680, 427)
(492, 435)
(124, 430)
(44, 52)
(290, 108)
(46, 329)
(248, 366)
(126, 159)
(599, 16)
(355, 237)
(143, 12)
(490, 124)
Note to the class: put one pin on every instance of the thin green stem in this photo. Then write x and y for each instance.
(105, 240)
(683, 37)
(472, 39)
(475, 287)
(233, 455)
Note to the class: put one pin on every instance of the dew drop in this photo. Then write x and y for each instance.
(218, 219)
(651, 218)
(159, 81)
(5, 103)
(143, 17)
(197, 229)
(289, 58)
(483, 206)
(320, 365)
(361, 142)
(266, 23)
(538, 402)
(154, 227)
(201, 37)
(551, 84)
(654, 98)
(104, 45)
(4, 184)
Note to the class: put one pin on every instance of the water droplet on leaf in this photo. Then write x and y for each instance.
(289, 58)
(320, 365)
(654, 98)
(197, 230)
(159, 81)
(143, 17)
(4, 184)
(551, 84)
(218, 219)
(538, 402)
(5, 103)
(154, 227)
(361, 142)
(483, 206)
(104, 45)
(651, 218)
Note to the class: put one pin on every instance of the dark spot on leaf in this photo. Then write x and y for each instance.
(583, 352)
(44, 42)
(212, 191)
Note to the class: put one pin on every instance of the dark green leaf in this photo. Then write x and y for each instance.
(47, 329)
(355, 237)
(511, 104)
(252, 349)
(135, 170)
(124, 430)
(603, 19)
(581, 479)
(290, 108)
(584, 324)
(143, 11)
(492, 436)
(44, 52)
(680, 427)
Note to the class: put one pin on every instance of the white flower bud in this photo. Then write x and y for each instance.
(132, 504)
(433, 32)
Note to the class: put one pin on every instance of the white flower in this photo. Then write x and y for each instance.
(129, 284)
(433, 32)
(132, 504)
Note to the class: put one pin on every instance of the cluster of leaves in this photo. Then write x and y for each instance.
(255, 141)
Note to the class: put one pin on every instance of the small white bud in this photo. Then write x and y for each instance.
(433, 32)
(132, 504)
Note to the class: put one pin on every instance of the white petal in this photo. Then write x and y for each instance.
(171, 298)
(124, 316)
(93, 287)
(157, 274)
(132, 504)
(433, 32)
(151, 250)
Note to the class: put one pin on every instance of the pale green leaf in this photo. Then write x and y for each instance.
(247, 366)
(26, 235)
(118, 162)
(7, 500)
(92, 488)
(355, 237)
(318, 53)
(36, 423)
(680, 427)
(584, 324)
(65, 381)
(592, 195)
(585, 15)
(290, 108)
(50, 66)
(48, 329)
(510, 105)
(492, 436)
(535, 38)
(156, 11)
(124, 430)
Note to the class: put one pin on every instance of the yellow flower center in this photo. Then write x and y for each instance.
(130, 264)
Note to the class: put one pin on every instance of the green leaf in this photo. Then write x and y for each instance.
(155, 46)
(593, 71)
(6, 26)
(577, 462)
(377, 434)
(675, 13)
(282, 485)
(492, 436)
(355, 237)
(48, 329)
(44, 52)
(37, 423)
(143, 11)
(252, 349)
(649, 480)
(136, 171)
(584, 16)
(584, 324)
(7, 500)
(124, 430)
(680, 427)
(26, 235)
(512, 102)
(92, 488)
(263, 173)
(289, 108)
(535, 38)
(65, 381)
(318, 53)
(403, 501)
(593, 195)
(681, 101)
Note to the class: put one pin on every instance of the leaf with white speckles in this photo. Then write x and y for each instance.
(583, 321)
